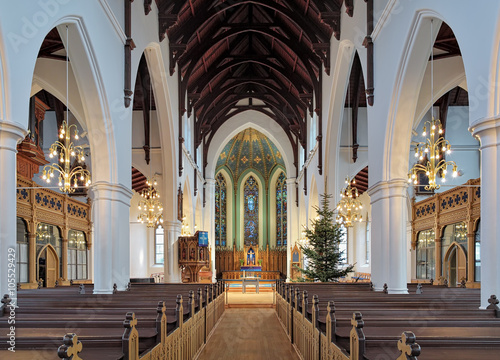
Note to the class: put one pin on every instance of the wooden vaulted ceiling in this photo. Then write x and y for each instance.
(235, 56)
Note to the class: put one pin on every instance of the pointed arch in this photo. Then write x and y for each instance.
(165, 116)
(261, 212)
(230, 205)
(273, 207)
(281, 210)
(240, 122)
(221, 215)
(341, 72)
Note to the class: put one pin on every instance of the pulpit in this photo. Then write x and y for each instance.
(194, 257)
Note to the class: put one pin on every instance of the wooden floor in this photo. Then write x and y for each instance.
(249, 300)
(248, 334)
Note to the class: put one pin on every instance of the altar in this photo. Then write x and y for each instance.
(250, 281)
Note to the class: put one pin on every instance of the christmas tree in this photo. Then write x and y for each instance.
(322, 252)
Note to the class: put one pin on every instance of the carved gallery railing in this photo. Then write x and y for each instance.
(461, 204)
(263, 275)
(312, 343)
(37, 205)
(183, 343)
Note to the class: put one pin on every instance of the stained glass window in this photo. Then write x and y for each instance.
(281, 213)
(251, 217)
(220, 211)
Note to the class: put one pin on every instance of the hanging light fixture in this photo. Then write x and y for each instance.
(70, 176)
(433, 149)
(461, 231)
(150, 205)
(349, 207)
(42, 232)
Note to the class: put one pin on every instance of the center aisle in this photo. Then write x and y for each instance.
(248, 334)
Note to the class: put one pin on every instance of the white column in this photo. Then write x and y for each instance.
(210, 220)
(172, 231)
(10, 134)
(488, 132)
(110, 213)
(388, 235)
(291, 226)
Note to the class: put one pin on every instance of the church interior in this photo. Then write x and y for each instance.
(165, 158)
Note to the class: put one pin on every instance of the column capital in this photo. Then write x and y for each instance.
(291, 181)
(486, 124)
(387, 188)
(210, 181)
(103, 190)
(10, 134)
(172, 226)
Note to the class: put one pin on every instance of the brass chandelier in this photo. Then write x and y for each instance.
(433, 149)
(70, 175)
(150, 205)
(461, 231)
(67, 151)
(349, 206)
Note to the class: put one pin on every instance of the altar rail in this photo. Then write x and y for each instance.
(313, 344)
(263, 275)
(183, 343)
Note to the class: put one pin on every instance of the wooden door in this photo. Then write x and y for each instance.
(461, 265)
(456, 264)
(51, 268)
(452, 268)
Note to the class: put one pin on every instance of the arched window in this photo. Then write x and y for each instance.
(426, 263)
(281, 210)
(220, 211)
(251, 218)
(22, 251)
(77, 255)
(159, 245)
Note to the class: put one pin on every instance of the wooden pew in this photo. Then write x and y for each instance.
(439, 317)
(45, 315)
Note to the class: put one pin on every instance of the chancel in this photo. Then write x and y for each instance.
(173, 178)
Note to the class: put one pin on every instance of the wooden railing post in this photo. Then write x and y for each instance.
(161, 322)
(408, 347)
(316, 339)
(357, 337)
(304, 320)
(191, 304)
(331, 322)
(202, 328)
(179, 316)
(130, 338)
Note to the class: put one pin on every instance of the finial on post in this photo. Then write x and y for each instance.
(70, 348)
(408, 346)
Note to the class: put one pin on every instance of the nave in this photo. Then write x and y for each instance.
(248, 333)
